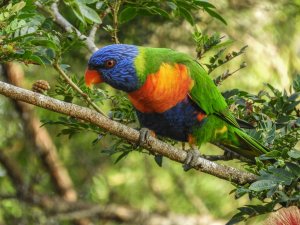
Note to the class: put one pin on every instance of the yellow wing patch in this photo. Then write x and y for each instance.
(140, 61)
(221, 130)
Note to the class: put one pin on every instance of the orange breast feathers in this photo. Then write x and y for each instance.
(163, 89)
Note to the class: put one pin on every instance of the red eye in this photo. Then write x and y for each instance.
(110, 63)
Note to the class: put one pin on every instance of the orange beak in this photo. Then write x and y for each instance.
(92, 77)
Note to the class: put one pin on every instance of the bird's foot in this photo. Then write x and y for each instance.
(145, 133)
(191, 159)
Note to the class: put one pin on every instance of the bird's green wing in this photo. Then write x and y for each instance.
(207, 95)
(204, 92)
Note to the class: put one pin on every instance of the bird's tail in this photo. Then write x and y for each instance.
(243, 144)
(223, 134)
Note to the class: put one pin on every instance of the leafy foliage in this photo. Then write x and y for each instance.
(82, 10)
(278, 126)
(168, 9)
(25, 35)
(32, 38)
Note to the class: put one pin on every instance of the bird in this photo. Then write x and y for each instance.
(173, 96)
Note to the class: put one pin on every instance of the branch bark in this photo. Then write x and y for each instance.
(154, 145)
(67, 26)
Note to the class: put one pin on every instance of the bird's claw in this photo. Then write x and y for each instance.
(191, 159)
(145, 133)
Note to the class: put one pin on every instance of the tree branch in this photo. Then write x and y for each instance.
(154, 145)
(76, 88)
(67, 26)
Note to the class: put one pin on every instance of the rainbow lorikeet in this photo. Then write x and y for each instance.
(173, 96)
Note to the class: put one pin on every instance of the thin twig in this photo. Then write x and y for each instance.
(227, 74)
(115, 10)
(66, 25)
(153, 145)
(93, 32)
(75, 87)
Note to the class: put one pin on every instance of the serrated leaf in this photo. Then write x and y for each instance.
(127, 14)
(262, 185)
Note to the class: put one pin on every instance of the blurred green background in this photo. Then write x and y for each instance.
(271, 29)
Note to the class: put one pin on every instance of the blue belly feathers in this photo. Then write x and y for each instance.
(176, 123)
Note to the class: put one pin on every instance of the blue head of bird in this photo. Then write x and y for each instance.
(114, 65)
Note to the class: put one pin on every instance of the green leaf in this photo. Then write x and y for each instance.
(121, 156)
(17, 7)
(187, 15)
(172, 5)
(296, 83)
(240, 192)
(236, 218)
(36, 59)
(293, 168)
(281, 175)
(262, 185)
(276, 92)
(89, 13)
(270, 155)
(46, 43)
(87, 1)
(160, 12)
(215, 15)
(294, 154)
(127, 14)
(204, 4)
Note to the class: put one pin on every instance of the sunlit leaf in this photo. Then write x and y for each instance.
(89, 13)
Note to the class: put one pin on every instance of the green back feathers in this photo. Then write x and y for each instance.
(220, 126)
(204, 92)
(149, 60)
